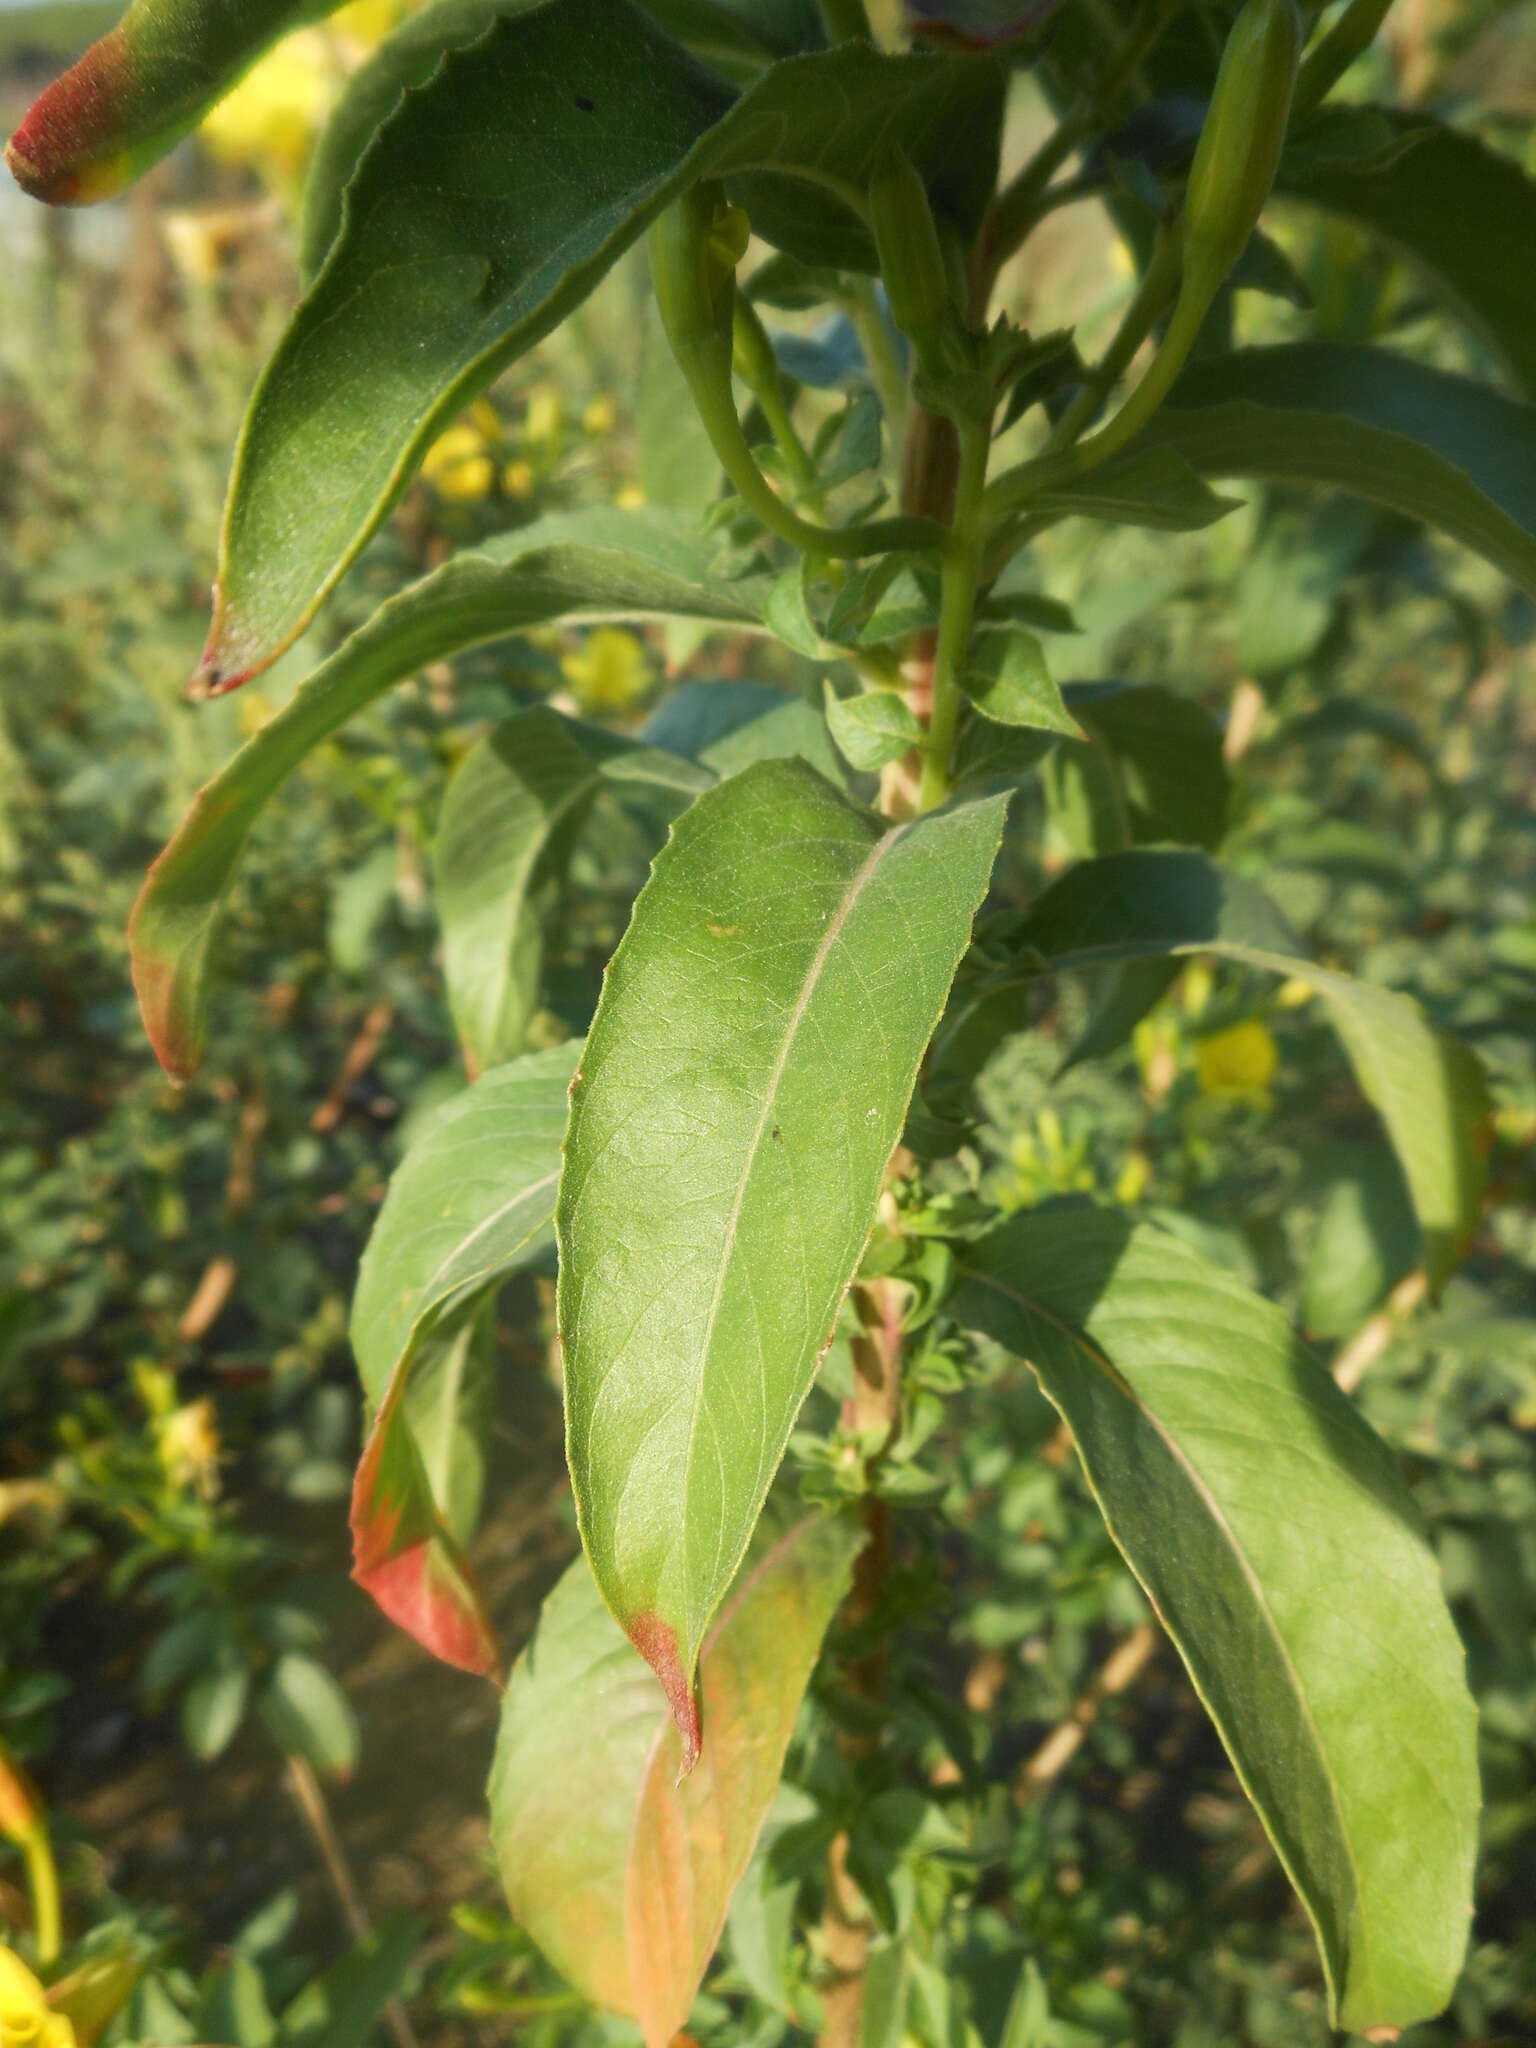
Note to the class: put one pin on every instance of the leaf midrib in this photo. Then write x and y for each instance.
(1103, 1364)
(813, 973)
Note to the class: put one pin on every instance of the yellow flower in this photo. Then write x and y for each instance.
(545, 416)
(518, 479)
(367, 22)
(189, 1446)
(1135, 1176)
(1198, 984)
(601, 415)
(1237, 1065)
(272, 114)
(629, 497)
(457, 464)
(609, 670)
(26, 2020)
(1294, 993)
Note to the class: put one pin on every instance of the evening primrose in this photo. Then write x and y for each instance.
(1237, 1065)
(26, 2019)
(609, 670)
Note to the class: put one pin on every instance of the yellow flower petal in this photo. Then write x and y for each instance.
(1237, 1065)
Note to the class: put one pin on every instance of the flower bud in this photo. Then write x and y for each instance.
(1239, 148)
(911, 258)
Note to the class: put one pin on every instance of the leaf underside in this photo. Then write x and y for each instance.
(1272, 1532)
(471, 1203)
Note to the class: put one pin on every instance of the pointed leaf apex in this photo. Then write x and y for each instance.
(657, 1644)
(404, 1557)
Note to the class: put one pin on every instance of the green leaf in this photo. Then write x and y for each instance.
(212, 1709)
(1435, 447)
(598, 564)
(726, 726)
(1161, 754)
(449, 1404)
(469, 1204)
(1148, 487)
(620, 1868)
(1009, 682)
(310, 1716)
(1465, 212)
(339, 2008)
(729, 40)
(1274, 1536)
(139, 90)
(743, 1086)
(443, 272)
(511, 812)
(872, 728)
(1427, 1086)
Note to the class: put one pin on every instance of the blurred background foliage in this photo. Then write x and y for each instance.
(263, 1811)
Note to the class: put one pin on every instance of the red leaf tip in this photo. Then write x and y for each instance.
(657, 1644)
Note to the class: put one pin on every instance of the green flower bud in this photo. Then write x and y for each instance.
(911, 258)
(1240, 144)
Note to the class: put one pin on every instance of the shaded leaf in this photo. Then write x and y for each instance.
(1436, 447)
(619, 1868)
(338, 2009)
(597, 564)
(1272, 1532)
(510, 814)
(743, 1085)
(436, 283)
(1152, 487)
(1462, 210)
(1427, 1086)
(310, 1715)
(726, 726)
(467, 1206)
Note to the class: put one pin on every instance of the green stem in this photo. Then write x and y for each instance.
(1065, 457)
(717, 410)
(1156, 289)
(1019, 206)
(755, 365)
(43, 1882)
(844, 19)
(957, 601)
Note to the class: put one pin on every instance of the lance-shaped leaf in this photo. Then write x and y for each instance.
(138, 91)
(737, 40)
(471, 1203)
(1428, 1087)
(514, 806)
(1462, 210)
(742, 1089)
(1436, 447)
(1273, 1534)
(598, 564)
(453, 257)
(620, 1870)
